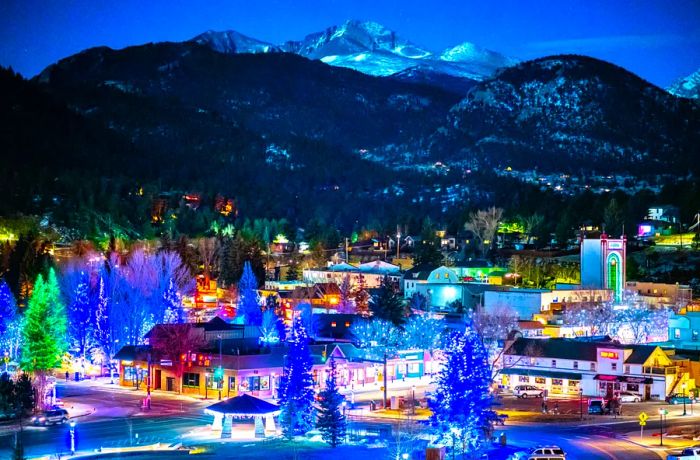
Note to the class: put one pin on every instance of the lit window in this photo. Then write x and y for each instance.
(554, 363)
(347, 323)
(677, 333)
(613, 366)
(333, 324)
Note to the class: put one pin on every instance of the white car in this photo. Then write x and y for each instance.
(689, 453)
(547, 453)
(630, 397)
(527, 391)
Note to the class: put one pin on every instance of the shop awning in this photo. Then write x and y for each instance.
(623, 378)
(542, 373)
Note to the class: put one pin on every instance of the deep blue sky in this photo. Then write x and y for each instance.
(657, 39)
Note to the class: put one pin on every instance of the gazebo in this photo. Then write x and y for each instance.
(244, 406)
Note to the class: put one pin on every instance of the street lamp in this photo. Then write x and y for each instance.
(206, 385)
(72, 437)
(662, 412)
(580, 402)
(684, 386)
(413, 400)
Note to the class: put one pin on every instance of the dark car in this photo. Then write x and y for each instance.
(603, 407)
(50, 417)
(679, 398)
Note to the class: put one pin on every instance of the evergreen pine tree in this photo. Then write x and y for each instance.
(346, 304)
(44, 330)
(296, 385)
(293, 270)
(461, 406)
(8, 307)
(331, 421)
(427, 251)
(388, 304)
(361, 297)
(248, 306)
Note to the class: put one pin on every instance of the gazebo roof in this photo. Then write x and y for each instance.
(244, 405)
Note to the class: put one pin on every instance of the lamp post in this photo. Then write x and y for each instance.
(413, 400)
(72, 437)
(684, 386)
(206, 385)
(662, 412)
(221, 368)
(580, 402)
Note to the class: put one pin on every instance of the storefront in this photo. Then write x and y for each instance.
(611, 385)
(554, 382)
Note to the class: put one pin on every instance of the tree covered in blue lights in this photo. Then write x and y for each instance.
(248, 307)
(80, 308)
(331, 421)
(8, 307)
(462, 416)
(296, 385)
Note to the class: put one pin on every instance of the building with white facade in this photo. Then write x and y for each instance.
(529, 302)
(370, 273)
(594, 367)
(661, 294)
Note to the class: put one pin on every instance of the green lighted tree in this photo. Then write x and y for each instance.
(331, 421)
(44, 331)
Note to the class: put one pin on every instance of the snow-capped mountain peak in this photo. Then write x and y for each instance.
(688, 87)
(370, 48)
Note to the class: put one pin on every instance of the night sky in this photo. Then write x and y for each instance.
(657, 39)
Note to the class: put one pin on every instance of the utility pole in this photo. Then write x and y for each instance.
(385, 380)
(347, 258)
(221, 368)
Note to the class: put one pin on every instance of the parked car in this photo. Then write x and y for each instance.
(689, 453)
(603, 407)
(678, 398)
(630, 397)
(50, 417)
(547, 453)
(528, 391)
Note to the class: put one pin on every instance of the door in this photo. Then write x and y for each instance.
(647, 392)
(170, 384)
(156, 383)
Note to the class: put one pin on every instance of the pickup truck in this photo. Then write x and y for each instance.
(689, 453)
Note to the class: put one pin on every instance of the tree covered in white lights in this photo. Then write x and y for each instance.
(462, 416)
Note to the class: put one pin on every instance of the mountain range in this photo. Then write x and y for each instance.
(290, 133)
(369, 48)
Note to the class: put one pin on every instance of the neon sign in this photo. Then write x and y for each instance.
(608, 354)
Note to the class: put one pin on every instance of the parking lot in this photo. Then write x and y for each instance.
(566, 405)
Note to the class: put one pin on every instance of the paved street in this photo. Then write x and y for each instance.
(119, 420)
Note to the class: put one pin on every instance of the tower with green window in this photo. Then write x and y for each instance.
(603, 264)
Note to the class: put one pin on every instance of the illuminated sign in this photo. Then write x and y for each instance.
(608, 354)
(615, 245)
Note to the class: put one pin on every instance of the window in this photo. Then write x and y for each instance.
(694, 337)
(554, 363)
(677, 334)
(231, 383)
(592, 366)
(575, 364)
(632, 387)
(347, 323)
(333, 324)
(523, 379)
(558, 382)
(540, 380)
(190, 379)
(627, 368)
(613, 366)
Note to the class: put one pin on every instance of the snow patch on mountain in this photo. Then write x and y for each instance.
(688, 87)
(232, 42)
